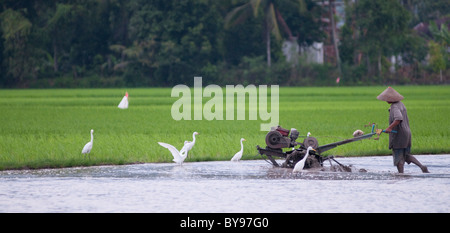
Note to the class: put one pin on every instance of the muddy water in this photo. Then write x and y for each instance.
(246, 186)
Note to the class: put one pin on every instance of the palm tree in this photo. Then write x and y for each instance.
(439, 46)
(272, 18)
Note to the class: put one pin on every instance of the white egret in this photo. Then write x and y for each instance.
(300, 164)
(358, 133)
(177, 156)
(238, 155)
(188, 145)
(88, 147)
(124, 102)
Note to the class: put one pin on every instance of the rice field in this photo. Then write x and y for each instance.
(48, 128)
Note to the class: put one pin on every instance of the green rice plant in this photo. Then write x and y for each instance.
(48, 128)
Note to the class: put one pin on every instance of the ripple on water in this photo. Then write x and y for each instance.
(224, 186)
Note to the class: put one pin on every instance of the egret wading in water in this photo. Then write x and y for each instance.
(88, 147)
(300, 164)
(177, 156)
(188, 145)
(238, 155)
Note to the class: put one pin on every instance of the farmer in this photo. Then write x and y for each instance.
(399, 142)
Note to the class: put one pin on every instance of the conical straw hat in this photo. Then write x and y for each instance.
(390, 95)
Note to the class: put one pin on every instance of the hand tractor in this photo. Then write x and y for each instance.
(279, 138)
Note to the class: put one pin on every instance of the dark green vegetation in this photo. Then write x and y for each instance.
(118, 43)
(48, 128)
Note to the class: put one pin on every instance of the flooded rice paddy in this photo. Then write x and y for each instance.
(231, 187)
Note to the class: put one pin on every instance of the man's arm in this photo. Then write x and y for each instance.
(390, 127)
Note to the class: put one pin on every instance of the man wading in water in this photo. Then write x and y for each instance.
(399, 142)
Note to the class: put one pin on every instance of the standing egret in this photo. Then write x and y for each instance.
(124, 103)
(88, 147)
(188, 145)
(177, 156)
(300, 164)
(238, 155)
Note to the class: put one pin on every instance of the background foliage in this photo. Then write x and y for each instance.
(116, 43)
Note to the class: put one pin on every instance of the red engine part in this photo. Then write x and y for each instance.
(284, 132)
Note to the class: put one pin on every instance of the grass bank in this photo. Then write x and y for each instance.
(48, 128)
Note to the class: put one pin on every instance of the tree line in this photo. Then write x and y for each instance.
(116, 43)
